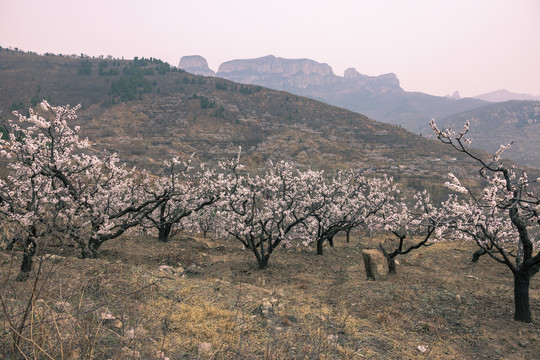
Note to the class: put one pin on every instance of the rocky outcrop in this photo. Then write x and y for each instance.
(196, 64)
(273, 65)
(278, 73)
(381, 84)
(305, 76)
(454, 96)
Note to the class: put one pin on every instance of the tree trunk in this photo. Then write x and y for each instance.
(319, 246)
(331, 240)
(391, 265)
(27, 261)
(90, 250)
(164, 232)
(204, 234)
(390, 259)
(348, 236)
(521, 297)
(263, 261)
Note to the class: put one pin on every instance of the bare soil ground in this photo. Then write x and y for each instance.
(303, 306)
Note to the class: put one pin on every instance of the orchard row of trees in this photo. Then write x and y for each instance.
(59, 191)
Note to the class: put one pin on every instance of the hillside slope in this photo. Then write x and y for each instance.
(180, 113)
(503, 123)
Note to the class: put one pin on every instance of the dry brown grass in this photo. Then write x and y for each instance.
(322, 307)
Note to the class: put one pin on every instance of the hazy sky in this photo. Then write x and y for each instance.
(436, 47)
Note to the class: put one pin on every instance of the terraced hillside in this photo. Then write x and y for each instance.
(176, 113)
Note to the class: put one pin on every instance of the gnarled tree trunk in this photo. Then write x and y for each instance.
(164, 231)
(522, 307)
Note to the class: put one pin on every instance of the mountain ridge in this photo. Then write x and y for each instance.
(379, 97)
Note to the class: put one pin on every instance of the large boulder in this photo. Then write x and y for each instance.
(376, 264)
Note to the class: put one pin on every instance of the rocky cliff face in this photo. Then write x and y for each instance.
(303, 75)
(196, 64)
(278, 73)
(274, 65)
(381, 84)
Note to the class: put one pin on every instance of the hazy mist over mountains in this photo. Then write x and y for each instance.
(496, 117)
(378, 97)
(301, 73)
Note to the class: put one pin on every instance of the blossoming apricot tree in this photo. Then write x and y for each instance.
(420, 222)
(262, 211)
(57, 189)
(503, 220)
(190, 191)
(348, 200)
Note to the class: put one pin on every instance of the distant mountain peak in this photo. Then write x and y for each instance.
(454, 96)
(196, 64)
(351, 73)
(505, 95)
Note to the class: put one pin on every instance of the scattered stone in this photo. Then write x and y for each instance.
(471, 277)
(161, 355)
(128, 353)
(166, 269)
(422, 348)
(523, 344)
(204, 348)
(171, 271)
(267, 309)
(458, 297)
(375, 264)
(63, 307)
(138, 332)
(118, 324)
(193, 269)
(105, 314)
(54, 257)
